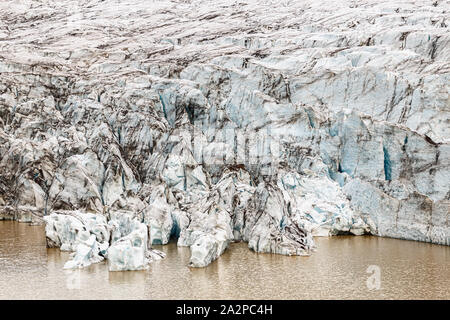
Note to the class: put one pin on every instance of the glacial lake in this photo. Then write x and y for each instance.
(343, 267)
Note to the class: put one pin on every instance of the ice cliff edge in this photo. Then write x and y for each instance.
(124, 124)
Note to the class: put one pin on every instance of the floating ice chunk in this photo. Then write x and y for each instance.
(64, 231)
(89, 236)
(87, 252)
(207, 248)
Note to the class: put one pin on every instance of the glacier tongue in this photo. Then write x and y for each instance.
(124, 124)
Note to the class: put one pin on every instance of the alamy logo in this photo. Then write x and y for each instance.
(374, 280)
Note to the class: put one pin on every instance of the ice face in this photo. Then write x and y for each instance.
(285, 122)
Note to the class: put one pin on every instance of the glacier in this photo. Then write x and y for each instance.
(125, 124)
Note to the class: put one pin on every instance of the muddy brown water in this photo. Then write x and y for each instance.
(343, 267)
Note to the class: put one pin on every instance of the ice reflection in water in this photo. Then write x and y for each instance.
(409, 270)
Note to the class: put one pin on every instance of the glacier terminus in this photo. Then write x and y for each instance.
(125, 124)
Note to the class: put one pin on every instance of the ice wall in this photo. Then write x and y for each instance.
(210, 122)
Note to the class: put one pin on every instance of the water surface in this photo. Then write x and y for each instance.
(338, 270)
